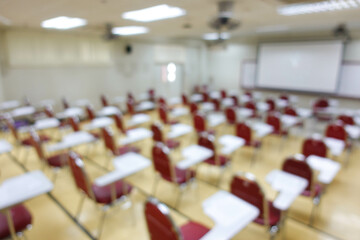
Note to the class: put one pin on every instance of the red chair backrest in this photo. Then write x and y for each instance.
(161, 161)
(90, 112)
(159, 224)
(199, 122)
(230, 115)
(49, 111)
(248, 93)
(251, 105)
(130, 96)
(284, 97)
(74, 123)
(36, 143)
(346, 119)
(290, 111)
(336, 131)
(274, 121)
(109, 140)
(193, 108)
(321, 103)
(79, 174)
(207, 141)
(205, 96)
(162, 101)
(184, 99)
(271, 104)
(65, 103)
(243, 131)
(223, 93)
(163, 114)
(299, 168)
(216, 104)
(130, 106)
(235, 100)
(104, 101)
(151, 93)
(119, 123)
(314, 147)
(248, 191)
(157, 133)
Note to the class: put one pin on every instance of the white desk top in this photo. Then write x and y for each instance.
(46, 123)
(288, 185)
(177, 130)
(135, 135)
(281, 103)
(327, 168)
(71, 112)
(99, 123)
(23, 111)
(244, 113)
(125, 165)
(108, 111)
(353, 131)
(174, 101)
(207, 106)
(215, 94)
(262, 106)
(304, 112)
(144, 106)
(216, 119)
(177, 112)
(139, 119)
(245, 98)
(221, 207)
(9, 104)
(228, 102)
(72, 140)
(196, 98)
(261, 129)
(5, 146)
(18, 189)
(288, 120)
(193, 155)
(230, 143)
(335, 146)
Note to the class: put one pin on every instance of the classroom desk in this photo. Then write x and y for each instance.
(261, 129)
(353, 131)
(23, 111)
(208, 107)
(125, 165)
(9, 105)
(5, 146)
(281, 103)
(108, 111)
(70, 112)
(46, 123)
(174, 101)
(242, 113)
(72, 140)
(179, 129)
(135, 135)
(262, 106)
(178, 112)
(228, 102)
(304, 112)
(221, 207)
(16, 190)
(193, 155)
(145, 106)
(196, 98)
(215, 119)
(335, 146)
(288, 185)
(289, 121)
(230, 143)
(139, 118)
(99, 123)
(327, 168)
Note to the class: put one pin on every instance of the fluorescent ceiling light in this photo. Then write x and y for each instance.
(268, 29)
(63, 22)
(316, 7)
(130, 30)
(154, 13)
(216, 36)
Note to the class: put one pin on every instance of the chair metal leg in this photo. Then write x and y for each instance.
(101, 224)
(316, 202)
(78, 211)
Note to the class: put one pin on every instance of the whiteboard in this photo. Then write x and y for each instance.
(349, 82)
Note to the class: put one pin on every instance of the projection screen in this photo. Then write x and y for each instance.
(300, 66)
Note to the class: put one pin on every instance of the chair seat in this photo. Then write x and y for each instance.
(172, 143)
(181, 175)
(28, 141)
(58, 160)
(318, 191)
(274, 216)
(222, 159)
(126, 149)
(254, 143)
(21, 218)
(103, 194)
(193, 231)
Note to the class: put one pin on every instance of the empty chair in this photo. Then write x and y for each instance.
(318, 106)
(158, 137)
(302, 169)
(284, 97)
(74, 122)
(235, 100)
(184, 99)
(161, 226)
(166, 170)
(223, 94)
(205, 96)
(90, 112)
(216, 103)
(164, 117)
(244, 131)
(162, 101)
(130, 103)
(245, 186)
(274, 120)
(200, 124)
(230, 114)
(104, 100)
(252, 106)
(151, 93)
(346, 119)
(111, 145)
(338, 131)
(119, 122)
(21, 219)
(315, 147)
(65, 103)
(105, 196)
(194, 108)
(271, 104)
(292, 112)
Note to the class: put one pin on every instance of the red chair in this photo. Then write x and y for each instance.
(320, 105)
(235, 100)
(104, 100)
(110, 144)
(151, 93)
(252, 106)
(302, 169)
(164, 117)
(21, 220)
(284, 97)
(200, 124)
(292, 112)
(161, 226)
(166, 170)
(162, 101)
(230, 114)
(274, 120)
(184, 99)
(314, 147)
(223, 94)
(130, 106)
(207, 141)
(130, 96)
(346, 119)
(244, 131)
(90, 112)
(271, 104)
(105, 196)
(248, 93)
(193, 108)
(158, 137)
(338, 131)
(119, 123)
(205, 96)
(74, 122)
(65, 103)
(216, 103)
(244, 186)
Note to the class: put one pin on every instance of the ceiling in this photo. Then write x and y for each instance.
(254, 14)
